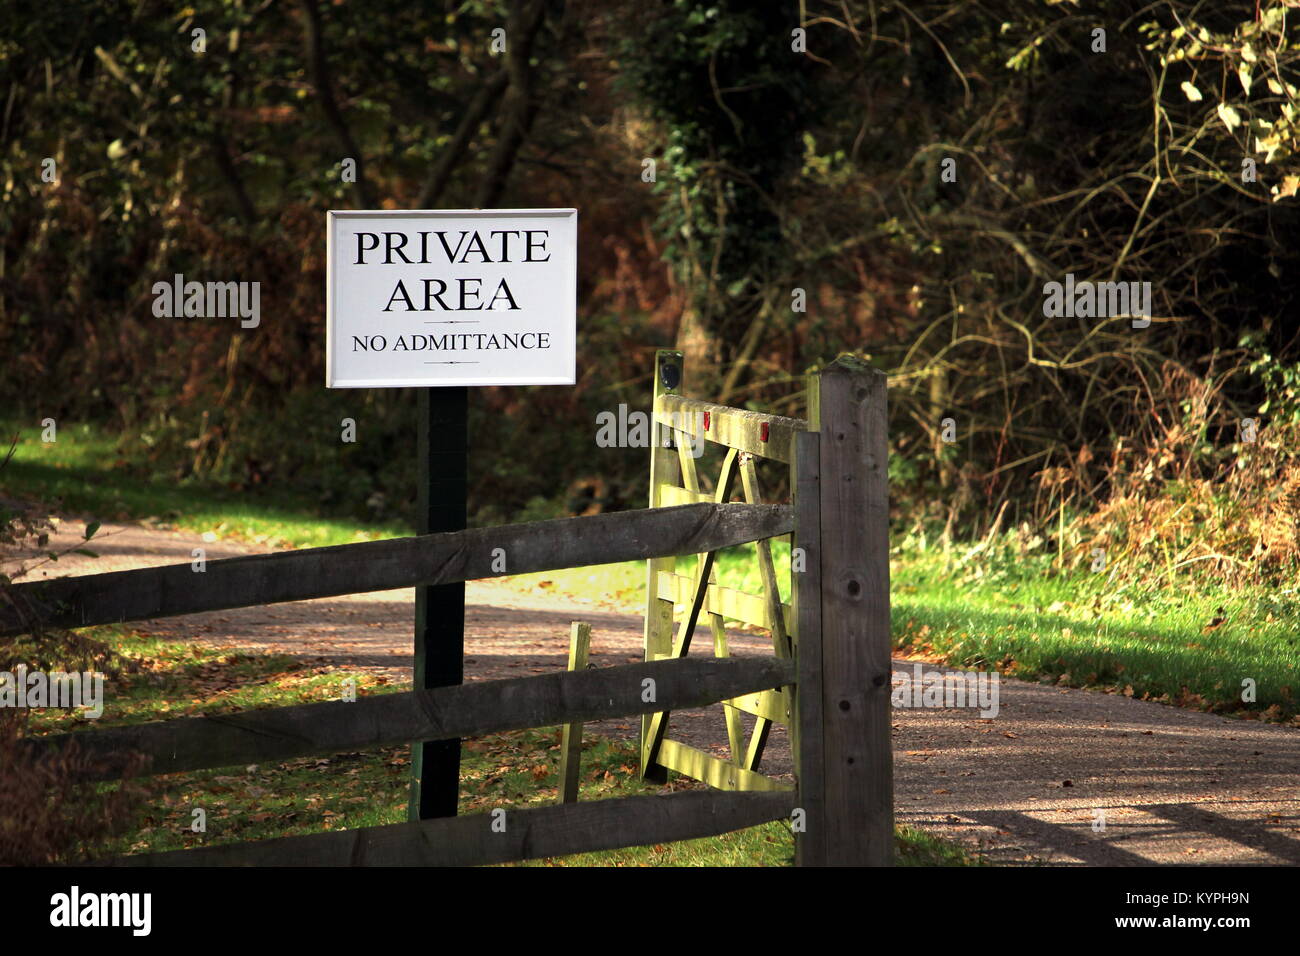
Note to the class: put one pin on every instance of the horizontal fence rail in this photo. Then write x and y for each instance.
(485, 838)
(468, 710)
(767, 436)
(384, 565)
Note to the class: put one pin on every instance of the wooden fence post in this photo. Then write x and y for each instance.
(846, 764)
(571, 739)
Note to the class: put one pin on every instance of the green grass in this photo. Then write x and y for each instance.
(82, 472)
(162, 679)
(1079, 630)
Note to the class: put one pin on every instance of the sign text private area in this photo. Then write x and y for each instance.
(451, 297)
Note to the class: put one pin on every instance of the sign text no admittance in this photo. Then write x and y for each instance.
(451, 297)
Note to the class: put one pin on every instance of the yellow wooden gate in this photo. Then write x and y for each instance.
(675, 601)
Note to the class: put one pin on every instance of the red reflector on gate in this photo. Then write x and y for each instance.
(706, 421)
(762, 431)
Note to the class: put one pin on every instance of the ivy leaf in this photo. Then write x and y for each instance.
(1230, 117)
(1192, 92)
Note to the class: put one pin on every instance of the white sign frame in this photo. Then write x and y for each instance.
(557, 315)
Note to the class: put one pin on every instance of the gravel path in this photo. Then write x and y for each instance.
(1065, 776)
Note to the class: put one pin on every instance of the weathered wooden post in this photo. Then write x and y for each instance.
(571, 738)
(845, 759)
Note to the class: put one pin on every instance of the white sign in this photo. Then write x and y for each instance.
(451, 297)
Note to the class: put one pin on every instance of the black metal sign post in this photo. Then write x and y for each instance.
(440, 609)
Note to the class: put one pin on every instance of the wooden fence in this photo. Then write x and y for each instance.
(827, 679)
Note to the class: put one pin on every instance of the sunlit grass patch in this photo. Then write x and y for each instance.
(1193, 646)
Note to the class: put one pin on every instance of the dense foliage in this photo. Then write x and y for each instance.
(916, 173)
